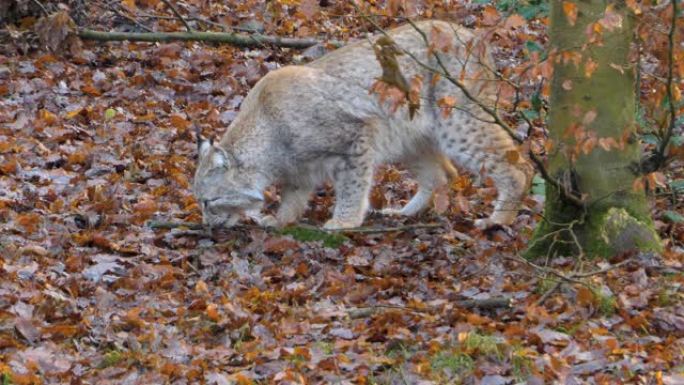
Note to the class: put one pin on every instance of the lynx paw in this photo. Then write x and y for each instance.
(335, 224)
(268, 221)
(484, 223)
(392, 212)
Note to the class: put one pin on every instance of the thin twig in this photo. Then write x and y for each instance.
(178, 15)
(604, 270)
(42, 7)
(129, 18)
(548, 293)
(661, 155)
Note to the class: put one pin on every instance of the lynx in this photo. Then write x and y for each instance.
(302, 125)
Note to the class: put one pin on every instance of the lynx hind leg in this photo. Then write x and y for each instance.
(352, 182)
(430, 175)
(486, 145)
(511, 181)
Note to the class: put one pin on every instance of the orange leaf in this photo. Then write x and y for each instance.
(638, 184)
(608, 143)
(441, 40)
(47, 116)
(589, 67)
(490, 15)
(89, 89)
(447, 104)
(589, 117)
(212, 312)
(29, 221)
(634, 6)
(9, 167)
(514, 21)
(584, 296)
(512, 156)
(129, 4)
(180, 123)
(570, 10)
(201, 287)
(589, 144)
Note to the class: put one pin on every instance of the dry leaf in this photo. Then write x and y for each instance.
(570, 11)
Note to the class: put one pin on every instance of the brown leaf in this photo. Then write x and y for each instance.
(570, 11)
(440, 199)
(56, 31)
(27, 330)
(512, 156)
(309, 8)
(490, 16)
(590, 67)
(514, 21)
(29, 221)
(447, 105)
(611, 20)
(279, 245)
(441, 41)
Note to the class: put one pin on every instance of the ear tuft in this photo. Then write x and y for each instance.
(203, 144)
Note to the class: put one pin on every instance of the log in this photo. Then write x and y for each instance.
(235, 39)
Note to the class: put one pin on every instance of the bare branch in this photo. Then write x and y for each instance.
(41, 6)
(661, 156)
(178, 15)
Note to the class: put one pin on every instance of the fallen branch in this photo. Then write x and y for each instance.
(235, 39)
(174, 225)
(166, 225)
(489, 303)
(377, 230)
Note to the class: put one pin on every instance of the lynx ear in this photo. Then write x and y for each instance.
(203, 144)
(219, 157)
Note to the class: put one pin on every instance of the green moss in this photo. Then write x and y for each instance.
(111, 359)
(607, 304)
(603, 231)
(616, 231)
(482, 344)
(521, 365)
(458, 364)
(308, 234)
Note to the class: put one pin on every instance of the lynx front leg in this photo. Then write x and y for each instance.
(430, 175)
(352, 185)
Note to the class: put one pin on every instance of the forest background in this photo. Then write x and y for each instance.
(100, 284)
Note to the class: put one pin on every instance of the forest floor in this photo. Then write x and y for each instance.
(97, 142)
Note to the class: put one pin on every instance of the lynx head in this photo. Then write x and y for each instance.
(222, 189)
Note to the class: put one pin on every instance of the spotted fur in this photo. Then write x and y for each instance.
(302, 125)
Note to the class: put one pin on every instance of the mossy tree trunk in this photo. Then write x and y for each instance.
(592, 133)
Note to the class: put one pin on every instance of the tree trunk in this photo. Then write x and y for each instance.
(593, 106)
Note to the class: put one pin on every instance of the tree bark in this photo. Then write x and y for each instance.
(593, 96)
(236, 39)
